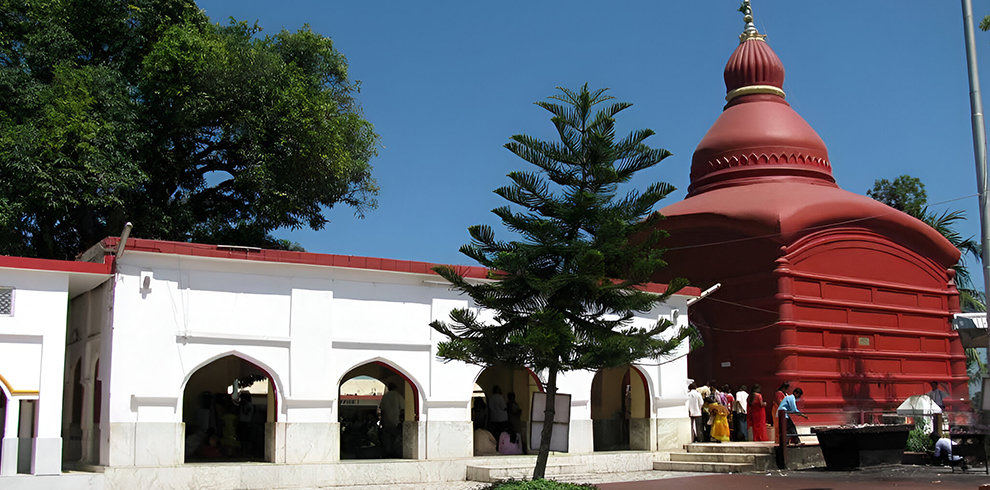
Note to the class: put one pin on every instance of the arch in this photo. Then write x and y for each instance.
(834, 239)
(405, 375)
(374, 425)
(620, 403)
(97, 394)
(273, 374)
(11, 392)
(75, 414)
(648, 384)
(5, 388)
(504, 410)
(220, 424)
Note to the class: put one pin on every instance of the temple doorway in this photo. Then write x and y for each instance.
(226, 406)
(620, 409)
(502, 391)
(377, 408)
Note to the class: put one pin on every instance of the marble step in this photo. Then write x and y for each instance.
(703, 466)
(749, 458)
(738, 448)
(494, 473)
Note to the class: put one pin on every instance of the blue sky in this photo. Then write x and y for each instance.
(447, 83)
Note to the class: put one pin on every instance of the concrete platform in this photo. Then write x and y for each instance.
(65, 481)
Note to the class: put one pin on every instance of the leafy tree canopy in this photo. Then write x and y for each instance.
(145, 111)
(905, 193)
(564, 295)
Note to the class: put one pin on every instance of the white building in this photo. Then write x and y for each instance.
(159, 340)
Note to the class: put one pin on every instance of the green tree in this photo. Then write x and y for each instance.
(905, 193)
(145, 111)
(564, 295)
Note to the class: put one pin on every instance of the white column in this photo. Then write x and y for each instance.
(48, 442)
(8, 447)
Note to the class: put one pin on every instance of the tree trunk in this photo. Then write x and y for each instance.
(548, 415)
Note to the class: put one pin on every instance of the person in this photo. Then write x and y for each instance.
(740, 407)
(498, 415)
(788, 406)
(484, 443)
(778, 397)
(718, 415)
(694, 405)
(391, 406)
(514, 411)
(479, 413)
(943, 453)
(245, 412)
(757, 414)
(509, 443)
(938, 396)
(211, 450)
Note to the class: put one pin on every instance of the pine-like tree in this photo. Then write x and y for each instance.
(564, 296)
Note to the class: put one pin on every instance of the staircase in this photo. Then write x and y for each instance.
(729, 457)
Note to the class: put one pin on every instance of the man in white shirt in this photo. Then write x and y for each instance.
(739, 407)
(694, 406)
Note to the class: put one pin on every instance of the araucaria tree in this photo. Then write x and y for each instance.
(146, 111)
(564, 295)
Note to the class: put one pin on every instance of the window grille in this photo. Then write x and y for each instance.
(6, 301)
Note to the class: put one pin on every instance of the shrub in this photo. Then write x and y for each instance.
(918, 441)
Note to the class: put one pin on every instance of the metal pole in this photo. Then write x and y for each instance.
(979, 139)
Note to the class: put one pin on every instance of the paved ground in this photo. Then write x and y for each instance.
(899, 477)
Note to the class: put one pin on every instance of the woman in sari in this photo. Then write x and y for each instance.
(757, 414)
(778, 397)
(720, 421)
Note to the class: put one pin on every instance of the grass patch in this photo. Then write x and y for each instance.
(536, 485)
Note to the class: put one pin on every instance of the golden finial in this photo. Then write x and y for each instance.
(750, 31)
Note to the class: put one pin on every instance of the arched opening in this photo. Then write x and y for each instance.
(95, 432)
(3, 414)
(378, 409)
(73, 438)
(225, 407)
(620, 409)
(500, 404)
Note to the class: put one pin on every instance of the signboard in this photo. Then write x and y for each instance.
(561, 421)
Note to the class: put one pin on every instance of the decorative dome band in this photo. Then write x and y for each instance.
(754, 89)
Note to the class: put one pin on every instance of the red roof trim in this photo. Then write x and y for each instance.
(309, 258)
(29, 263)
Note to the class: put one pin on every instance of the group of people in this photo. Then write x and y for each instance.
(718, 415)
(374, 433)
(497, 416)
(225, 426)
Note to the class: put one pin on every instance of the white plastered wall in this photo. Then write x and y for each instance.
(306, 326)
(32, 347)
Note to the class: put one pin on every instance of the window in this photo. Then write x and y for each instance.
(6, 301)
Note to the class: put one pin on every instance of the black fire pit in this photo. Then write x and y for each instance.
(970, 441)
(852, 446)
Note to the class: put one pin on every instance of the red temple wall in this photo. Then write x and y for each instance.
(865, 322)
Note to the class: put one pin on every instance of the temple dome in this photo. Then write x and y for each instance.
(758, 136)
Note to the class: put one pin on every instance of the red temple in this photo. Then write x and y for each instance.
(839, 294)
